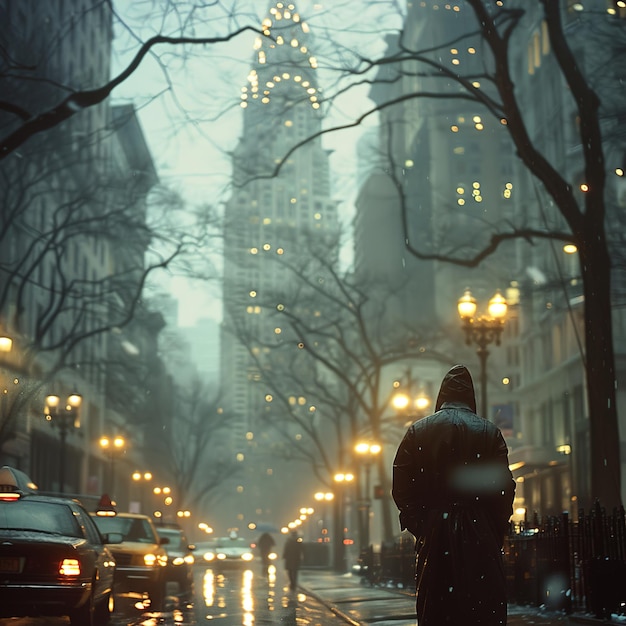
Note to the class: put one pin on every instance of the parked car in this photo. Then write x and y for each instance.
(228, 552)
(180, 559)
(53, 559)
(141, 556)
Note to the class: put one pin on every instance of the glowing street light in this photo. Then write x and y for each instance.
(63, 416)
(482, 331)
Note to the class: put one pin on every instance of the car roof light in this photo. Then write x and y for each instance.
(106, 507)
(14, 484)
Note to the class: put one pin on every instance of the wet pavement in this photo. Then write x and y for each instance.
(246, 598)
(361, 605)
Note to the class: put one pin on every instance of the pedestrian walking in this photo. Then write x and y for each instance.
(265, 544)
(454, 490)
(292, 556)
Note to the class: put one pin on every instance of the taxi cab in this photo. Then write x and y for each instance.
(140, 556)
(53, 559)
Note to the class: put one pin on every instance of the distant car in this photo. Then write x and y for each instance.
(53, 559)
(180, 559)
(225, 552)
(141, 556)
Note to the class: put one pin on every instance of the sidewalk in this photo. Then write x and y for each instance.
(360, 605)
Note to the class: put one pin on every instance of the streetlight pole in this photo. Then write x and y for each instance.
(367, 452)
(482, 331)
(63, 417)
(339, 555)
(112, 445)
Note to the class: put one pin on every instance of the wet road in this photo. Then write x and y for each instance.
(233, 598)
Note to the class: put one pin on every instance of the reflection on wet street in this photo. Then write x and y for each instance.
(230, 598)
(236, 597)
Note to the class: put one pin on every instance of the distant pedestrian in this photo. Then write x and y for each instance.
(292, 555)
(454, 490)
(265, 544)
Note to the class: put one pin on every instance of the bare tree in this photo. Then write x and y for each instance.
(326, 367)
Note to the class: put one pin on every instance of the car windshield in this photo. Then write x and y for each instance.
(48, 517)
(131, 528)
(177, 539)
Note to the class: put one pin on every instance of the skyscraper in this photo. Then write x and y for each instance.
(280, 207)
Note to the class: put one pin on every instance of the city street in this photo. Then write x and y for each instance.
(243, 597)
(235, 597)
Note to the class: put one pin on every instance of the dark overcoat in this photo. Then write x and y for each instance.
(454, 490)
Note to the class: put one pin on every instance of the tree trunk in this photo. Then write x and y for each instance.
(600, 370)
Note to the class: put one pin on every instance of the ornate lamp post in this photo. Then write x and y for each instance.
(343, 480)
(64, 417)
(482, 331)
(139, 477)
(366, 452)
(112, 446)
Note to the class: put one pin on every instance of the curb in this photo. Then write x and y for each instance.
(331, 607)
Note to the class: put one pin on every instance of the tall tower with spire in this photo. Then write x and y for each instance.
(280, 206)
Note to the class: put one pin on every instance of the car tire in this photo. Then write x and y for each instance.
(85, 615)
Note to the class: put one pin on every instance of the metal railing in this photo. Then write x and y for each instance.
(564, 564)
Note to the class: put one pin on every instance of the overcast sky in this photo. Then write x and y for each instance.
(196, 120)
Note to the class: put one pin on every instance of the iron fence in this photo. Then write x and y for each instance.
(564, 564)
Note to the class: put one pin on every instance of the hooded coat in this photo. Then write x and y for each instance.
(454, 490)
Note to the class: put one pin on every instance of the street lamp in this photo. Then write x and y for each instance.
(112, 446)
(139, 477)
(63, 416)
(482, 331)
(343, 479)
(366, 452)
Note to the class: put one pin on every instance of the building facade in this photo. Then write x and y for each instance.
(280, 208)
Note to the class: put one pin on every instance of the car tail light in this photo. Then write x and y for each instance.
(70, 567)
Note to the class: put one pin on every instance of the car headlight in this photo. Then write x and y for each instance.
(178, 560)
(189, 559)
(272, 556)
(209, 556)
(149, 559)
(221, 556)
(247, 556)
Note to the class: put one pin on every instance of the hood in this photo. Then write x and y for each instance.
(457, 386)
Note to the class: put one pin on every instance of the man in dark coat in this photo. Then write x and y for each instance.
(292, 555)
(454, 490)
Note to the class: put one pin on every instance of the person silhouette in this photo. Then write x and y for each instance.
(292, 555)
(454, 489)
(265, 545)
